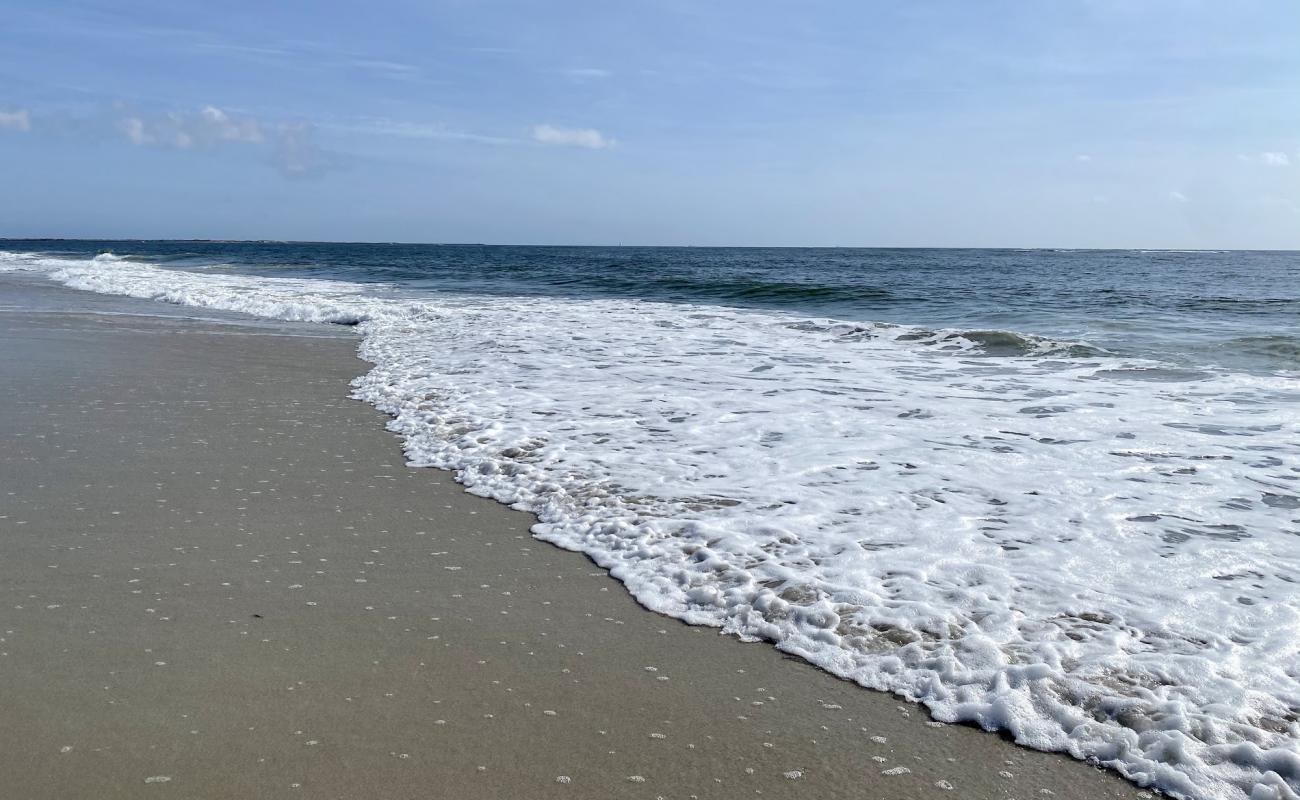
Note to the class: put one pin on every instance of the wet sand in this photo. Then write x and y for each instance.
(218, 579)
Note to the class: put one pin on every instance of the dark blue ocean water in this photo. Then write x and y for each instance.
(1239, 309)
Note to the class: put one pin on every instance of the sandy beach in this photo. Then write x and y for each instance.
(219, 579)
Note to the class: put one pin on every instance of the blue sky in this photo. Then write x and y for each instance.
(1126, 123)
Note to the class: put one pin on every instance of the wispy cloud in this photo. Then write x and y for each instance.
(1178, 197)
(385, 66)
(243, 50)
(295, 55)
(386, 69)
(588, 73)
(20, 120)
(589, 138)
(422, 130)
(1268, 159)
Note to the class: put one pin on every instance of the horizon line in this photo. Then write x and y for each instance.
(652, 246)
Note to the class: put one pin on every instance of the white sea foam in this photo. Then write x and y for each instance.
(1096, 556)
(16, 262)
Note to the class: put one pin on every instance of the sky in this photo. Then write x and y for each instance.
(1016, 123)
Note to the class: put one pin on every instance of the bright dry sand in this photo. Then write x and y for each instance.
(219, 580)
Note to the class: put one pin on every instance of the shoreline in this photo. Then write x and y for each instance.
(280, 605)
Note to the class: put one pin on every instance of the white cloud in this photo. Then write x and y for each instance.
(219, 123)
(1083, 159)
(133, 129)
(185, 131)
(19, 120)
(1274, 159)
(589, 138)
(290, 147)
(1178, 197)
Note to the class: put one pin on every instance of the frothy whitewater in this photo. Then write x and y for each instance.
(1095, 554)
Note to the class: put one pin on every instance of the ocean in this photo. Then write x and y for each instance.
(1051, 493)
